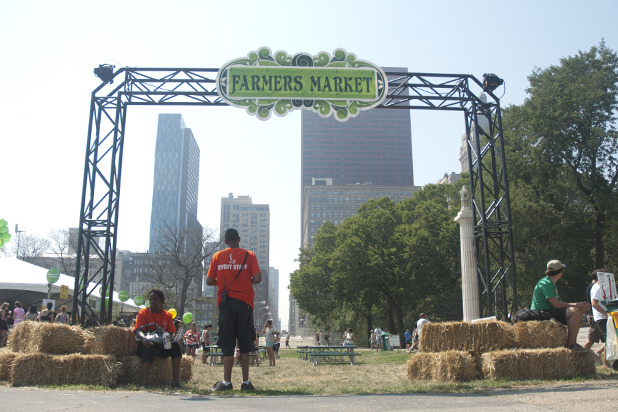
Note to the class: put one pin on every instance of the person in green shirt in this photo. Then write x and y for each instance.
(547, 298)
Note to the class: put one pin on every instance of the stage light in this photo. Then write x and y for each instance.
(105, 72)
(491, 82)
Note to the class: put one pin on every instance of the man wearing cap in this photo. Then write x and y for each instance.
(234, 271)
(547, 298)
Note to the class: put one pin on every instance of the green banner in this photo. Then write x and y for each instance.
(302, 83)
(337, 84)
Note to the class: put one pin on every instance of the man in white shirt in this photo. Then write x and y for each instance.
(419, 324)
(598, 328)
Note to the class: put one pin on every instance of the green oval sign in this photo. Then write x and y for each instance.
(338, 85)
(101, 291)
(53, 275)
(139, 300)
(123, 295)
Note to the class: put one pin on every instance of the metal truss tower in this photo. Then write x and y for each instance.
(185, 86)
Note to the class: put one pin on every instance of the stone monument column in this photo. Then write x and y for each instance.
(469, 277)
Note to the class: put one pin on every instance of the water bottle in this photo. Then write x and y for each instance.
(167, 341)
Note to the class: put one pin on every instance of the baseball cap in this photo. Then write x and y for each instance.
(555, 264)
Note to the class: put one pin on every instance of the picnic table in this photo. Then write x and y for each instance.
(329, 354)
(216, 356)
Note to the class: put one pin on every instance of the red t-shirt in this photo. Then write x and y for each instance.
(163, 319)
(224, 267)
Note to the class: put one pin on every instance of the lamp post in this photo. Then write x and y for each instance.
(19, 232)
(258, 315)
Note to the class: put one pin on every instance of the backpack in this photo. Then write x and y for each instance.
(527, 314)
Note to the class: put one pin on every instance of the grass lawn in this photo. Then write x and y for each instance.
(376, 372)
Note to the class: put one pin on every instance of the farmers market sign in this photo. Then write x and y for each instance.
(337, 84)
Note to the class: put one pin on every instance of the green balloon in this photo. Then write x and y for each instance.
(139, 300)
(187, 317)
(5, 237)
(53, 275)
(101, 291)
(123, 295)
(4, 229)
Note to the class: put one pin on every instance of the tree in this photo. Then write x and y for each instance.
(31, 248)
(562, 151)
(61, 246)
(311, 284)
(179, 263)
(382, 262)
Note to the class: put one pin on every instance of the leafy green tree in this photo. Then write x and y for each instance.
(311, 283)
(562, 152)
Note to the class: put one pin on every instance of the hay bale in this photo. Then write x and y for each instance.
(466, 336)
(52, 338)
(537, 334)
(449, 366)
(6, 364)
(585, 364)
(113, 340)
(537, 364)
(186, 368)
(132, 371)
(43, 369)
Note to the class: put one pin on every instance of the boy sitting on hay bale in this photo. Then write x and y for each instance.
(547, 298)
(145, 348)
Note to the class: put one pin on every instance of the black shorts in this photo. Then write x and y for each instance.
(235, 322)
(559, 314)
(149, 354)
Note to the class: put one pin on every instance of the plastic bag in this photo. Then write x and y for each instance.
(611, 341)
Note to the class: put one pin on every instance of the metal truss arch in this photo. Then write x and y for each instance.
(197, 87)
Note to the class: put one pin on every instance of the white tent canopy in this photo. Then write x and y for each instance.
(18, 277)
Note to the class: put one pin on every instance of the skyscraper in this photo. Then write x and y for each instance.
(253, 224)
(176, 179)
(343, 164)
(273, 295)
(374, 148)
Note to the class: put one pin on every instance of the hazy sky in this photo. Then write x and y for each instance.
(49, 49)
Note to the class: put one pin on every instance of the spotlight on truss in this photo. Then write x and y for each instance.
(491, 82)
(105, 72)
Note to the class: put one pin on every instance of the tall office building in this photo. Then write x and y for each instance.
(343, 164)
(325, 202)
(176, 180)
(373, 148)
(273, 295)
(253, 224)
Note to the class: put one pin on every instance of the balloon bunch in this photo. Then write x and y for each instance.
(5, 236)
(186, 318)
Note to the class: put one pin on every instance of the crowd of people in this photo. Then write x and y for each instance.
(12, 318)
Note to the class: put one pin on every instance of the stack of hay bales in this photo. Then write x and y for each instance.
(56, 354)
(460, 351)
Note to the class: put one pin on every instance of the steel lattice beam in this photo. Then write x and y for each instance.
(186, 86)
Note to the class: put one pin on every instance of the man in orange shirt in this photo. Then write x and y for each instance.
(146, 349)
(234, 271)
